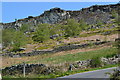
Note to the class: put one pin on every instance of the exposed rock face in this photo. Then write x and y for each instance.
(52, 16)
(90, 15)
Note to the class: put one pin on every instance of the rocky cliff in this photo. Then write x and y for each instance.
(91, 15)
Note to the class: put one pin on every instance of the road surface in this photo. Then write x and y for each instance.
(92, 74)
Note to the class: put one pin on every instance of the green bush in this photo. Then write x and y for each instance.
(56, 29)
(115, 75)
(83, 25)
(95, 62)
(13, 38)
(72, 28)
(25, 27)
(7, 37)
(19, 40)
(42, 33)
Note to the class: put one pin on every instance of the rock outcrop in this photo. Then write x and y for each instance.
(56, 15)
(111, 60)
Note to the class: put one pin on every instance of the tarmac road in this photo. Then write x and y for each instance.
(91, 75)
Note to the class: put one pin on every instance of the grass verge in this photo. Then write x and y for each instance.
(77, 56)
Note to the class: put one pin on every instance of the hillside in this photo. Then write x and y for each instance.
(52, 28)
(91, 15)
(60, 42)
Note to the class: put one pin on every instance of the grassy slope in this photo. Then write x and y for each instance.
(104, 52)
(76, 57)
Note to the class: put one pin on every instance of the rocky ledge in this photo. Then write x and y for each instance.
(56, 15)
